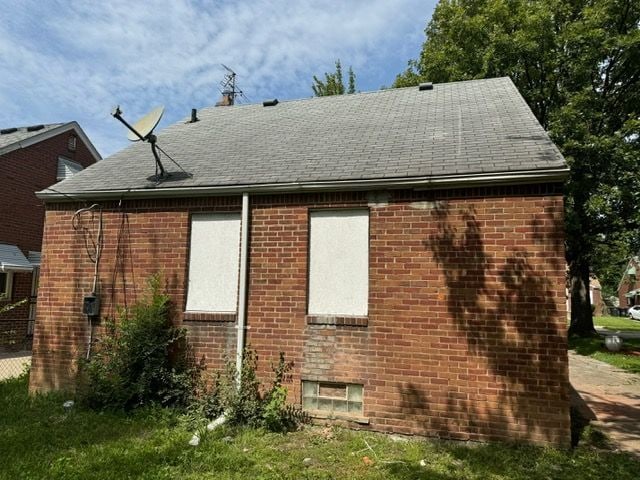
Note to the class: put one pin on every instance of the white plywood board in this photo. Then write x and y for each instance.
(214, 262)
(339, 262)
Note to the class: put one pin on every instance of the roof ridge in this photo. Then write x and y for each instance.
(334, 98)
(44, 125)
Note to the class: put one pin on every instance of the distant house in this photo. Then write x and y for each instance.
(595, 293)
(31, 158)
(404, 248)
(629, 286)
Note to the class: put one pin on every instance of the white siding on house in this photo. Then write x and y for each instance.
(339, 262)
(214, 262)
(67, 168)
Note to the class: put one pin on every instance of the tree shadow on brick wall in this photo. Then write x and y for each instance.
(499, 298)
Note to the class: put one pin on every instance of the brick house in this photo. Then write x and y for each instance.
(629, 287)
(595, 295)
(404, 248)
(31, 158)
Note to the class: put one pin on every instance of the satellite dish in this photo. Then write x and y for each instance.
(143, 130)
(143, 127)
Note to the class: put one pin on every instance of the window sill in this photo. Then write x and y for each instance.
(337, 416)
(222, 317)
(338, 320)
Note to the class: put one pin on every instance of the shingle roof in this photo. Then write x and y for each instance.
(11, 258)
(23, 137)
(9, 136)
(464, 128)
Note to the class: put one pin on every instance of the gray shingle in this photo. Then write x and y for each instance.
(22, 134)
(456, 128)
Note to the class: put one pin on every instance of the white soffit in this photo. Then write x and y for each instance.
(12, 259)
(214, 262)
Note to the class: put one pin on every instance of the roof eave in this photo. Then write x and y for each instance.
(556, 175)
(52, 133)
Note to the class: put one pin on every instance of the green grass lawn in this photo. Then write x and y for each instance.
(594, 348)
(39, 440)
(617, 323)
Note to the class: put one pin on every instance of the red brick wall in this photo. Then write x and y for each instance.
(466, 332)
(26, 171)
(598, 305)
(627, 284)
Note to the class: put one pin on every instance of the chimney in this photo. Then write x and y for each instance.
(194, 115)
(226, 100)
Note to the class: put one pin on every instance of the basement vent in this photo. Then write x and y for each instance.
(35, 128)
(5, 131)
(270, 103)
(332, 398)
(425, 86)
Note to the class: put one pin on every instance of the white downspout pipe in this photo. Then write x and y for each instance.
(242, 289)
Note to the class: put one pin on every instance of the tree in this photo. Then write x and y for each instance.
(577, 64)
(333, 83)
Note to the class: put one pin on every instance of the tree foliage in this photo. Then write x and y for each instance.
(577, 64)
(333, 83)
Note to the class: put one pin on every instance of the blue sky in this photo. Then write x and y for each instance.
(75, 60)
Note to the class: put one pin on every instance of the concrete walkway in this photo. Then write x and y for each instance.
(612, 396)
(628, 334)
(12, 364)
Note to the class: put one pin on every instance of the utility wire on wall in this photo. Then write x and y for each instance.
(93, 248)
(123, 253)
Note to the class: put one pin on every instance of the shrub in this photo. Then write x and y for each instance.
(141, 359)
(250, 404)
(242, 405)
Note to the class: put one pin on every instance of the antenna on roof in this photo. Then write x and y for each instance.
(229, 89)
(143, 130)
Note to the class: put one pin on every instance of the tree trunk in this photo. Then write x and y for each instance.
(581, 313)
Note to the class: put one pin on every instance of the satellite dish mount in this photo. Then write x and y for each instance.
(143, 131)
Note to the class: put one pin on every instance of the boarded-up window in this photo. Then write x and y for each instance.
(339, 262)
(214, 262)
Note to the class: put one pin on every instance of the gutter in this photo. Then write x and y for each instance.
(419, 183)
(5, 268)
(242, 289)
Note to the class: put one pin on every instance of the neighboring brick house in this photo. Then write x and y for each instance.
(629, 286)
(595, 294)
(404, 248)
(31, 158)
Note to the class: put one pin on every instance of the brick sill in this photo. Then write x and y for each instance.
(339, 321)
(337, 416)
(226, 317)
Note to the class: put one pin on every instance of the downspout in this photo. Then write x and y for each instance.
(242, 289)
(242, 309)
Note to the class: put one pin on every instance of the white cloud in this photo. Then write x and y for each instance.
(64, 61)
